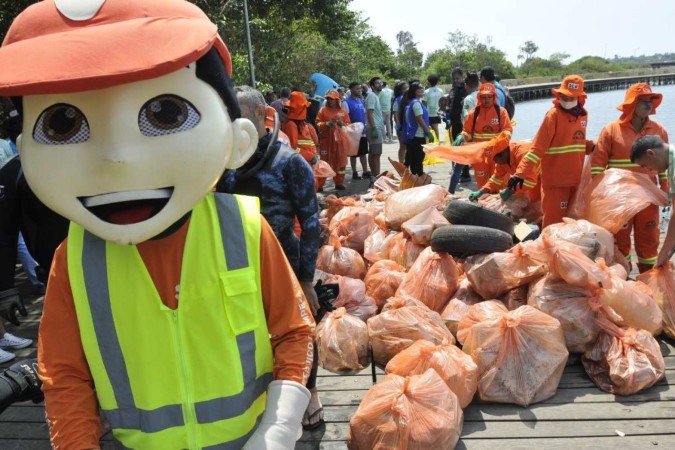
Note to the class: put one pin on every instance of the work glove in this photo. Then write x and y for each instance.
(374, 133)
(340, 123)
(315, 159)
(430, 136)
(515, 182)
(505, 194)
(329, 124)
(458, 140)
(475, 195)
(280, 423)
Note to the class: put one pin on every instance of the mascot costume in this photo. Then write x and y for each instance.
(169, 308)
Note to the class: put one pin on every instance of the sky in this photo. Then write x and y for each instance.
(592, 27)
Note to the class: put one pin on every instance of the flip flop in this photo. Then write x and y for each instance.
(308, 418)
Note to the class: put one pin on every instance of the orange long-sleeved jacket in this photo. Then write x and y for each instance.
(614, 146)
(326, 115)
(302, 137)
(72, 408)
(560, 146)
(488, 124)
(519, 150)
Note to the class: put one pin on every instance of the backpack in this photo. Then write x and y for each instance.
(510, 105)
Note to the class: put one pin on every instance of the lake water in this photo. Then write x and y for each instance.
(601, 107)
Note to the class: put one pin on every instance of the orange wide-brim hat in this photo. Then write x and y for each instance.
(61, 46)
(571, 86)
(335, 95)
(297, 106)
(638, 91)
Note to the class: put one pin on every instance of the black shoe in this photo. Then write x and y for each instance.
(366, 174)
(356, 176)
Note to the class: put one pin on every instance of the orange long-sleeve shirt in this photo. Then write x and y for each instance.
(502, 171)
(71, 404)
(614, 146)
(302, 138)
(560, 146)
(326, 115)
(487, 124)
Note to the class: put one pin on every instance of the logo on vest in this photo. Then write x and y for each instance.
(480, 174)
(574, 86)
(583, 123)
(494, 121)
(563, 205)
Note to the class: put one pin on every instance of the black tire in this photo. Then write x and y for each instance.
(466, 240)
(459, 212)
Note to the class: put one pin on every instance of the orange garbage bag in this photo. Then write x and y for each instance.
(459, 304)
(515, 207)
(401, 250)
(352, 296)
(520, 354)
(461, 154)
(351, 136)
(569, 304)
(342, 342)
(338, 260)
(405, 205)
(421, 227)
(323, 170)
(397, 302)
(454, 366)
(382, 280)
(633, 301)
(433, 279)
(418, 412)
(618, 195)
(578, 207)
(375, 245)
(661, 281)
(352, 225)
(495, 274)
(397, 329)
(515, 298)
(593, 240)
(623, 361)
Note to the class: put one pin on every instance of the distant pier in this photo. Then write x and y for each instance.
(538, 91)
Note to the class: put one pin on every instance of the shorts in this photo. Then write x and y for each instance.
(434, 120)
(375, 149)
(374, 141)
(363, 147)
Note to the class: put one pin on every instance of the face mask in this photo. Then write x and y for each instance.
(568, 105)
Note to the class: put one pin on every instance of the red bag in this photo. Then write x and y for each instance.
(454, 366)
(495, 274)
(352, 296)
(520, 354)
(618, 195)
(342, 342)
(459, 304)
(338, 260)
(623, 361)
(383, 279)
(418, 412)
(397, 329)
(433, 279)
(661, 281)
(351, 137)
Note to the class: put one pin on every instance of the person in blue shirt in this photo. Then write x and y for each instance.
(356, 107)
(487, 75)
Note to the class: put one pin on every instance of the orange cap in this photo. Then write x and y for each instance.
(333, 94)
(60, 46)
(297, 106)
(571, 86)
(487, 89)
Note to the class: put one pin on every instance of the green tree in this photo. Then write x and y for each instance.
(528, 49)
(409, 58)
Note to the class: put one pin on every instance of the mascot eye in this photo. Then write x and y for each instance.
(167, 114)
(61, 124)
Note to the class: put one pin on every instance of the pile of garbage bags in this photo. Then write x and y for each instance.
(498, 325)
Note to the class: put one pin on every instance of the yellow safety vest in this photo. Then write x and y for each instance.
(191, 378)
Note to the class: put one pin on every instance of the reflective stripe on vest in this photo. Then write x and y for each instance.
(127, 415)
(566, 149)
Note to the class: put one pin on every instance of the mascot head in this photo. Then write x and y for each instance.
(129, 116)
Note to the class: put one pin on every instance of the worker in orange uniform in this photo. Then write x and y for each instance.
(484, 122)
(506, 163)
(613, 151)
(330, 119)
(560, 146)
(301, 134)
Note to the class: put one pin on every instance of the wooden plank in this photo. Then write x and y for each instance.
(528, 429)
(574, 411)
(617, 442)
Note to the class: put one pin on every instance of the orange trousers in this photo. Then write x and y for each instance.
(483, 171)
(645, 228)
(554, 203)
(331, 158)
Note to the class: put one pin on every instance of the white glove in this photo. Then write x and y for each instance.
(282, 419)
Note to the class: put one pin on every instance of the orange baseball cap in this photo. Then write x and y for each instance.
(487, 89)
(571, 86)
(333, 94)
(60, 46)
(297, 106)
